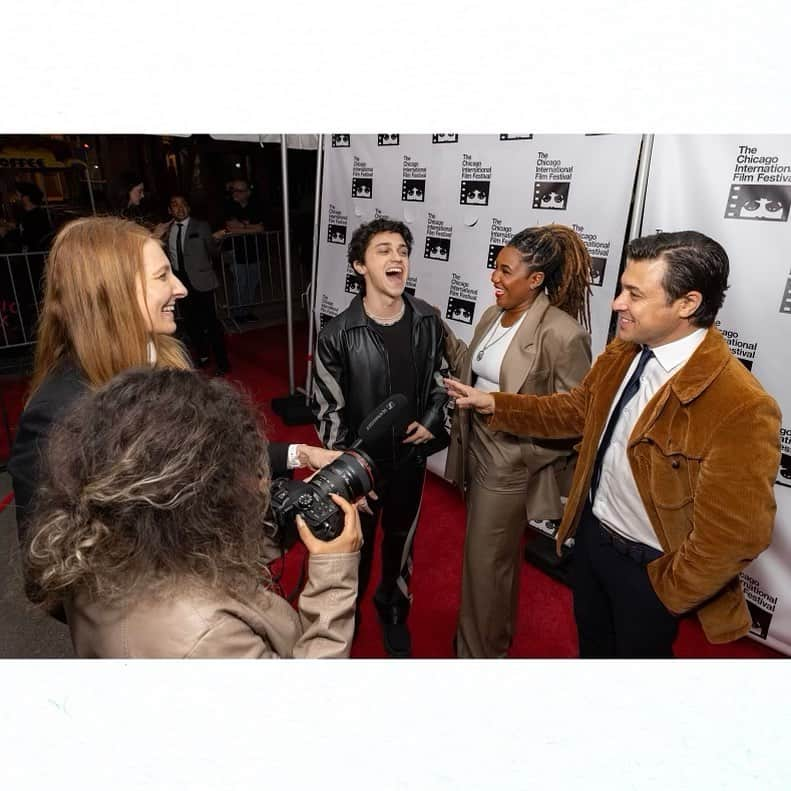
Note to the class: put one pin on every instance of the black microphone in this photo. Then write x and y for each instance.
(390, 414)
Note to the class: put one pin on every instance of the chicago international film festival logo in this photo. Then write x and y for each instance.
(476, 181)
(552, 182)
(499, 236)
(461, 300)
(436, 248)
(362, 179)
(758, 202)
(341, 141)
(362, 187)
(388, 140)
(551, 194)
(438, 236)
(352, 282)
(327, 310)
(597, 270)
(336, 228)
(760, 603)
(413, 190)
(445, 137)
(336, 234)
(413, 180)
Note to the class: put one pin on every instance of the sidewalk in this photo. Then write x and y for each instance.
(24, 632)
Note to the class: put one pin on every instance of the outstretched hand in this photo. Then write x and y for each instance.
(468, 397)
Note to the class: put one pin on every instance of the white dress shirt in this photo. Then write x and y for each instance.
(173, 235)
(618, 503)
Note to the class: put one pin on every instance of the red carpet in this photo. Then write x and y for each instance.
(545, 626)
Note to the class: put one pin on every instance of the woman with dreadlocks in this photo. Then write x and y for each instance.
(530, 341)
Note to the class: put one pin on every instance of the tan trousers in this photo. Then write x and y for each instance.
(496, 522)
(509, 481)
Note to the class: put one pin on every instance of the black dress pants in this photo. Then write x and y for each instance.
(203, 326)
(399, 500)
(618, 614)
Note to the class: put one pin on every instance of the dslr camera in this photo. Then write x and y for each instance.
(352, 475)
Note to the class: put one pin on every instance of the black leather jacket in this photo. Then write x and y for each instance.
(352, 374)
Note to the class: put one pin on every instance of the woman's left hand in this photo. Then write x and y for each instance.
(417, 434)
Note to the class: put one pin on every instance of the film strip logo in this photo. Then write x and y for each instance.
(474, 193)
(336, 234)
(461, 310)
(758, 202)
(494, 251)
(363, 188)
(551, 195)
(413, 190)
(598, 266)
(437, 248)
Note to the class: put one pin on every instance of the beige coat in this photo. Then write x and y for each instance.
(208, 624)
(549, 353)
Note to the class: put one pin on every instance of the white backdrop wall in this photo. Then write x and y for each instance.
(463, 197)
(737, 189)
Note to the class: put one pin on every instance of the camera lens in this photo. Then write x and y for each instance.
(351, 475)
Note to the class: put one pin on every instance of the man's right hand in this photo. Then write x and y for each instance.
(315, 457)
(351, 537)
(468, 397)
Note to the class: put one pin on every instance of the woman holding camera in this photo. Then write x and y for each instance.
(150, 530)
(530, 341)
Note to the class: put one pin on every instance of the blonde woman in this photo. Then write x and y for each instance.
(109, 302)
(532, 340)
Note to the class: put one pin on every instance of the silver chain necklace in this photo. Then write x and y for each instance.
(390, 320)
(493, 340)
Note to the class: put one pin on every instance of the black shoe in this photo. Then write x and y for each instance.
(395, 633)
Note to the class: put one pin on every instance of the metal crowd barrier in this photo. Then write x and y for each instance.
(253, 275)
(20, 294)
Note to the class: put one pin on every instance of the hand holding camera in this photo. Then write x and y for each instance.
(350, 539)
(352, 475)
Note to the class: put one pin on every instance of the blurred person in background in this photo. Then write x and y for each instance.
(244, 220)
(191, 248)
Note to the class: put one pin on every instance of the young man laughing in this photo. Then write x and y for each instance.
(385, 342)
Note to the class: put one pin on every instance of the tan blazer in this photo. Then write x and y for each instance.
(550, 353)
(194, 624)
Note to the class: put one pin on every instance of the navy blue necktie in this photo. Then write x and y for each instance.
(632, 386)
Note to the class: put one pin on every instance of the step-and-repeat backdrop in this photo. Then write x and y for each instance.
(737, 189)
(464, 197)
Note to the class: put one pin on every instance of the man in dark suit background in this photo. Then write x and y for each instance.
(191, 246)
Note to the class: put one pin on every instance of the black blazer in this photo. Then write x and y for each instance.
(59, 391)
